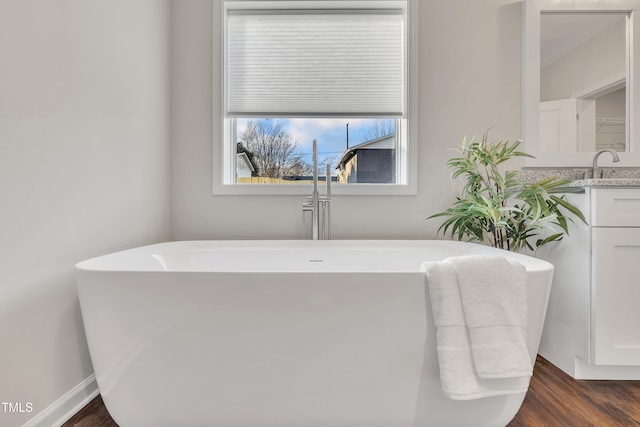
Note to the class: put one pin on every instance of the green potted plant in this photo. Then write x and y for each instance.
(499, 209)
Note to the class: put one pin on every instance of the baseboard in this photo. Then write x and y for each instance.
(67, 406)
(587, 371)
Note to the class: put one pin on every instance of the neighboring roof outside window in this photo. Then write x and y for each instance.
(384, 142)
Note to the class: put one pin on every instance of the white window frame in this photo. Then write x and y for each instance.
(224, 147)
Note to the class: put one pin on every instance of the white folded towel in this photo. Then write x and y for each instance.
(494, 300)
(479, 308)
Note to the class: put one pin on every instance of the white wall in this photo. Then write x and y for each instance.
(469, 68)
(84, 170)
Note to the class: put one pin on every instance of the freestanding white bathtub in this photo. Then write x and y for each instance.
(280, 333)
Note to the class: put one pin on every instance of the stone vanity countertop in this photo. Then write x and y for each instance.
(611, 177)
(606, 182)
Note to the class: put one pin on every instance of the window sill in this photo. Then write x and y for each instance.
(306, 189)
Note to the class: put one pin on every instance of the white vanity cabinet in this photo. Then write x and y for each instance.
(592, 329)
(615, 293)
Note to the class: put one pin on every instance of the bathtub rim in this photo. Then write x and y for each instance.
(140, 258)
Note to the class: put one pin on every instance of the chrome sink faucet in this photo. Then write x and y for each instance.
(595, 169)
(319, 206)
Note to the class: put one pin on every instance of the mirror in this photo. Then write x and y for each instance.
(583, 74)
(578, 81)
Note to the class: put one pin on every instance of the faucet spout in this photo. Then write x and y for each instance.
(319, 206)
(594, 168)
(315, 197)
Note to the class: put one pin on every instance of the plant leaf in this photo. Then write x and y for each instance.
(497, 207)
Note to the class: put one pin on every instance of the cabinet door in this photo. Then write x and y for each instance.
(615, 296)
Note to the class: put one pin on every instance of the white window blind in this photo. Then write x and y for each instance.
(303, 63)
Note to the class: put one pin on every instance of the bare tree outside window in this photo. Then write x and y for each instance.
(332, 161)
(380, 128)
(276, 154)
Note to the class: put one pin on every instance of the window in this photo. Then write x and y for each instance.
(332, 71)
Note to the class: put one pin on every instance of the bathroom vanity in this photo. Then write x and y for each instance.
(592, 329)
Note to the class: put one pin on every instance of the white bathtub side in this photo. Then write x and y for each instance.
(239, 349)
(281, 349)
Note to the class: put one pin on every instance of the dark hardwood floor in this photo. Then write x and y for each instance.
(92, 415)
(554, 400)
